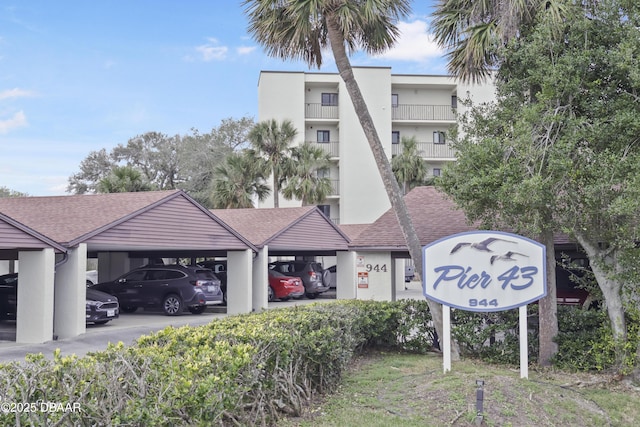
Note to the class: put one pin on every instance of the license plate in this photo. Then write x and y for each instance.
(111, 313)
(211, 288)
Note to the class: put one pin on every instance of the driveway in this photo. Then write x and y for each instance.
(129, 327)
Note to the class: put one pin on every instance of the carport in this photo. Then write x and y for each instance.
(122, 230)
(300, 232)
(36, 253)
(380, 249)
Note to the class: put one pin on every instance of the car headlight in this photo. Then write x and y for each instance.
(91, 303)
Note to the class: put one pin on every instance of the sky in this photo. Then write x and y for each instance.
(78, 76)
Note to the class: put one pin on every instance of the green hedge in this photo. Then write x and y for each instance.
(244, 370)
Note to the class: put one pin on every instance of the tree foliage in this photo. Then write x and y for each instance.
(7, 192)
(560, 148)
(303, 182)
(239, 181)
(408, 166)
(123, 179)
(167, 162)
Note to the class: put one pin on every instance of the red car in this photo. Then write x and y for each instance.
(284, 287)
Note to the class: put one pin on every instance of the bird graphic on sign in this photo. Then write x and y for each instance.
(508, 256)
(480, 246)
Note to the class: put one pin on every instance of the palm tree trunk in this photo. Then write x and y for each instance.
(276, 190)
(384, 167)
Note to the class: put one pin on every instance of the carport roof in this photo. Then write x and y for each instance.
(127, 221)
(286, 229)
(15, 235)
(434, 216)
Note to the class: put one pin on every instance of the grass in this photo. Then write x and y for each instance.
(390, 389)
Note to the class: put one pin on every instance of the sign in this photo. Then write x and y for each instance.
(363, 279)
(484, 271)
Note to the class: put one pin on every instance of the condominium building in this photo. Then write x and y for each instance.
(318, 105)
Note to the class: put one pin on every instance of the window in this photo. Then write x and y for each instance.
(439, 137)
(323, 136)
(436, 171)
(394, 100)
(326, 209)
(395, 137)
(329, 99)
(454, 101)
(323, 173)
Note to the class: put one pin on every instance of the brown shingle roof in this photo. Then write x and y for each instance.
(67, 218)
(286, 228)
(353, 230)
(434, 216)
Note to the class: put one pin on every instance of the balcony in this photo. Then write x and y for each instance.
(335, 187)
(438, 113)
(428, 150)
(321, 112)
(331, 147)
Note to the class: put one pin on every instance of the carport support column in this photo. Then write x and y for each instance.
(34, 322)
(112, 265)
(346, 277)
(260, 299)
(70, 294)
(239, 292)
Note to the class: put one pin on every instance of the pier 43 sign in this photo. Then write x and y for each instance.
(484, 271)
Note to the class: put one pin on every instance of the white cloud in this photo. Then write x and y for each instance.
(414, 44)
(212, 51)
(14, 93)
(16, 121)
(245, 50)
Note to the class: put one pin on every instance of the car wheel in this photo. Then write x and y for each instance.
(197, 310)
(272, 295)
(129, 308)
(312, 296)
(224, 298)
(172, 305)
(100, 322)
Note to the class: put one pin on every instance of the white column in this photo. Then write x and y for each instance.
(239, 275)
(34, 322)
(346, 277)
(260, 297)
(70, 294)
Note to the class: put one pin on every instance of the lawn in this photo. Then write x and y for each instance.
(391, 389)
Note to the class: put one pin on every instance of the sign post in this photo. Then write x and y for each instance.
(484, 271)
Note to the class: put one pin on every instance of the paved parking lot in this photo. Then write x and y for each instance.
(128, 327)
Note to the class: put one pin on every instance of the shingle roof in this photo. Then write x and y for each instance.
(353, 230)
(67, 218)
(286, 228)
(434, 216)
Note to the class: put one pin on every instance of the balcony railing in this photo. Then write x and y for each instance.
(335, 187)
(331, 147)
(423, 112)
(319, 111)
(428, 150)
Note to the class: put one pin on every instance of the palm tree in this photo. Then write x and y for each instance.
(272, 140)
(239, 180)
(304, 183)
(472, 31)
(303, 29)
(408, 166)
(123, 179)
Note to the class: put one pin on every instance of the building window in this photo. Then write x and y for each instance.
(329, 99)
(454, 101)
(439, 137)
(323, 173)
(436, 171)
(394, 100)
(324, 136)
(326, 210)
(395, 137)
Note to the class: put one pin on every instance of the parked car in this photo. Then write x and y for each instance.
(284, 287)
(100, 308)
(314, 277)
(409, 272)
(92, 277)
(171, 288)
(219, 268)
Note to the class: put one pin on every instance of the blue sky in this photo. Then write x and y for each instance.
(79, 76)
